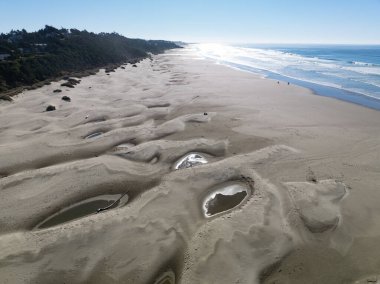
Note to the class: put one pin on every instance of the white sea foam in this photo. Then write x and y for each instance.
(352, 76)
(362, 63)
(364, 70)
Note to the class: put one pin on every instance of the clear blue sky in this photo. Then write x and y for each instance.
(240, 21)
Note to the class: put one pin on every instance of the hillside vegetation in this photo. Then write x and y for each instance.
(29, 58)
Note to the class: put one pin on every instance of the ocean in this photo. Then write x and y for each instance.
(347, 72)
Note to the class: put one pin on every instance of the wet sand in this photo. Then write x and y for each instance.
(311, 165)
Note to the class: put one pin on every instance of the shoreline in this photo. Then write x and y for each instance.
(351, 96)
(309, 165)
(317, 89)
(320, 90)
(332, 92)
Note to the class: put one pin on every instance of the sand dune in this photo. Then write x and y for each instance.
(300, 159)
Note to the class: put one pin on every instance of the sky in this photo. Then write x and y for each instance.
(221, 21)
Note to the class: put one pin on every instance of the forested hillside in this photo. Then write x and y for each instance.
(29, 58)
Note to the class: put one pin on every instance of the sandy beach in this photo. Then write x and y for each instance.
(302, 172)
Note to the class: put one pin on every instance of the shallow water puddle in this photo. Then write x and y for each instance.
(121, 148)
(84, 208)
(224, 197)
(92, 135)
(124, 146)
(190, 160)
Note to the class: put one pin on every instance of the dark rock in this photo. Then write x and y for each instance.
(66, 99)
(310, 176)
(73, 81)
(122, 67)
(134, 65)
(50, 108)
(57, 91)
(6, 98)
(32, 87)
(67, 84)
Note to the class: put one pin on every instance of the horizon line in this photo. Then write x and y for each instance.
(213, 42)
(281, 43)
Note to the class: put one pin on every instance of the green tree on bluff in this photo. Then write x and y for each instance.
(49, 52)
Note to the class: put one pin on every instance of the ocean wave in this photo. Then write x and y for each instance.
(354, 76)
(364, 70)
(359, 63)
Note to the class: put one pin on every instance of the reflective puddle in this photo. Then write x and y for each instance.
(84, 208)
(122, 148)
(190, 160)
(224, 197)
(92, 135)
